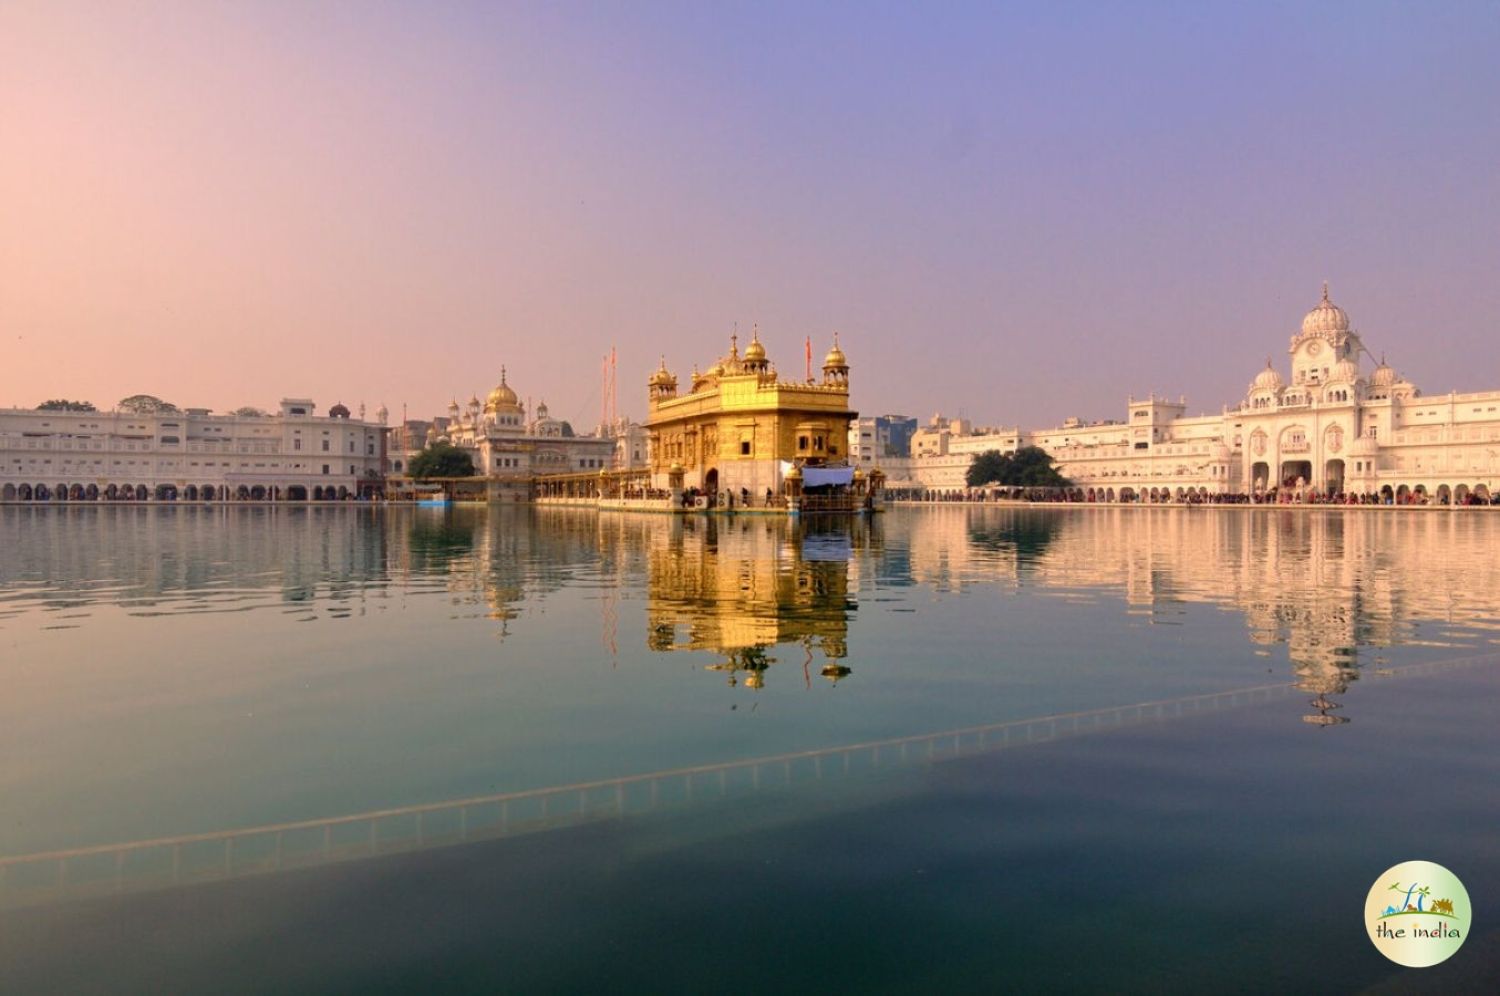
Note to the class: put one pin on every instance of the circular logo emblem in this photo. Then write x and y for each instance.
(1417, 914)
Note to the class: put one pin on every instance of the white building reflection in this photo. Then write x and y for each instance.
(1333, 588)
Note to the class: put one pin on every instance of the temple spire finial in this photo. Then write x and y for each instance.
(1325, 292)
(502, 374)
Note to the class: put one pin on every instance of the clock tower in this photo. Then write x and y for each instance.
(1325, 341)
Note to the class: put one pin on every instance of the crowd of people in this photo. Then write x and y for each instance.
(1275, 496)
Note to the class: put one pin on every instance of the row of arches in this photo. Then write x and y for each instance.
(1461, 494)
(170, 492)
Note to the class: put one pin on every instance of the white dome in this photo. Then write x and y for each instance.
(1326, 317)
(1344, 371)
(1383, 376)
(1267, 380)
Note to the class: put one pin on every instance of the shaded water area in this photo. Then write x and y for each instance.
(969, 747)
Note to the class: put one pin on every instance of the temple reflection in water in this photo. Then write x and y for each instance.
(740, 586)
(1335, 588)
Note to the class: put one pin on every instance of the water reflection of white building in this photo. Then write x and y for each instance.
(1330, 587)
(1341, 421)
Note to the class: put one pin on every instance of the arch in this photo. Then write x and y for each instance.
(1293, 471)
(1444, 494)
(111, 492)
(1333, 475)
(91, 493)
(166, 492)
(1482, 492)
(711, 486)
(1403, 494)
(242, 493)
(1461, 495)
(258, 493)
(190, 493)
(8, 493)
(42, 493)
(141, 494)
(1109, 494)
(208, 492)
(24, 492)
(60, 493)
(1419, 493)
(75, 492)
(343, 492)
(296, 492)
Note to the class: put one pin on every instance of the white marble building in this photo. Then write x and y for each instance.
(1342, 421)
(505, 443)
(189, 455)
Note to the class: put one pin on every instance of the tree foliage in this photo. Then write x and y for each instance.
(249, 411)
(145, 404)
(64, 405)
(441, 460)
(1027, 467)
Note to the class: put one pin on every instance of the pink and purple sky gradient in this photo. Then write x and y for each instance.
(1020, 212)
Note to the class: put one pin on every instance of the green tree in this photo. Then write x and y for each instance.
(1033, 468)
(145, 404)
(441, 460)
(63, 405)
(250, 412)
(989, 467)
(1027, 467)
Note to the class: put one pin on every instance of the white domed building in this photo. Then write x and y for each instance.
(511, 449)
(1328, 429)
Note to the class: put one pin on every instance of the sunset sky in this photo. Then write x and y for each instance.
(1018, 212)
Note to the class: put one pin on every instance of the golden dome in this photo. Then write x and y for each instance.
(755, 351)
(1326, 317)
(502, 396)
(662, 375)
(835, 357)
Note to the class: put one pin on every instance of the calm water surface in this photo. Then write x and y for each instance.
(196, 671)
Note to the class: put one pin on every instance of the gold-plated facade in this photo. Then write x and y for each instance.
(740, 426)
